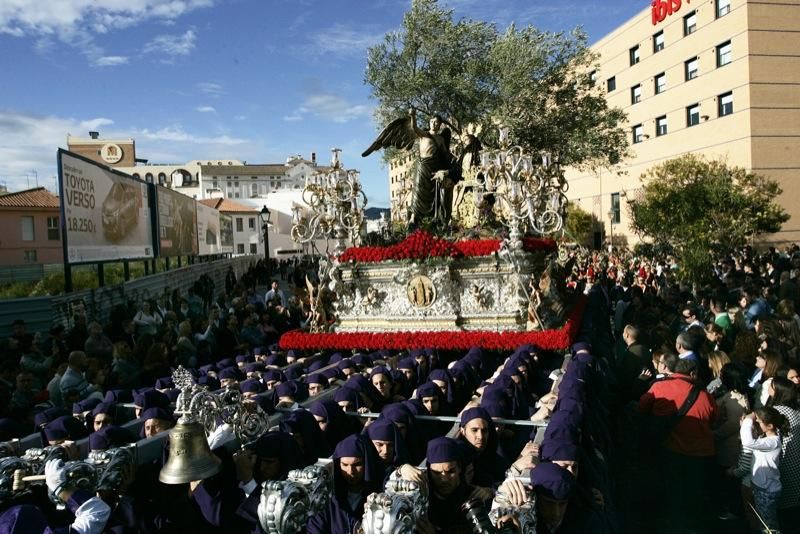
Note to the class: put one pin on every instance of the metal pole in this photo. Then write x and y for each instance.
(266, 241)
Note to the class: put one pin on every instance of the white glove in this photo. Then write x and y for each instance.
(220, 435)
(55, 475)
(91, 517)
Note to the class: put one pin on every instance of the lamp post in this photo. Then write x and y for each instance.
(611, 214)
(264, 215)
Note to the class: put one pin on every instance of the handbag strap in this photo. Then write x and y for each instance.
(691, 398)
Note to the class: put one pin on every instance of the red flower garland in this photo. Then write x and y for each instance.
(558, 339)
(420, 245)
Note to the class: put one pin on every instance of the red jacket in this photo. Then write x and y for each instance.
(692, 435)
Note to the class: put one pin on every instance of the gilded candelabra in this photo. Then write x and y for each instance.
(336, 201)
(531, 194)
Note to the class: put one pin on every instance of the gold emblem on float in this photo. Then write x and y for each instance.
(421, 292)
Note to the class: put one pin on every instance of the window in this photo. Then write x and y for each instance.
(723, 54)
(725, 104)
(693, 115)
(240, 248)
(689, 23)
(53, 233)
(661, 126)
(236, 184)
(636, 94)
(239, 224)
(638, 133)
(660, 83)
(691, 69)
(215, 184)
(253, 248)
(611, 84)
(30, 256)
(254, 189)
(634, 55)
(723, 7)
(615, 207)
(251, 222)
(28, 233)
(658, 42)
(236, 194)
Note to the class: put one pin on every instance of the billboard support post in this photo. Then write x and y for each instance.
(101, 275)
(166, 263)
(179, 262)
(146, 268)
(126, 270)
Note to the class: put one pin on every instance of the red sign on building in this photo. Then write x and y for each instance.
(661, 9)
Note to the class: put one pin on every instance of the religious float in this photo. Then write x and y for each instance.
(474, 267)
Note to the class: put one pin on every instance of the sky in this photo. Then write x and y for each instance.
(254, 80)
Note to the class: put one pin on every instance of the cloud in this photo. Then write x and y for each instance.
(240, 117)
(77, 22)
(330, 107)
(205, 109)
(30, 17)
(30, 142)
(110, 61)
(343, 40)
(177, 134)
(210, 88)
(172, 45)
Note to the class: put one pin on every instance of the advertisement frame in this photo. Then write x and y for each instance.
(157, 223)
(63, 217)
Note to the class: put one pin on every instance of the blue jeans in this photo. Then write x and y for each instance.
(767, 506)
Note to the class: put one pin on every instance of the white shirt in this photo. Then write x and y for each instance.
(766, 456)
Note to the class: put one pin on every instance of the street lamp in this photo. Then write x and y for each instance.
(611, 214)
(264, 215)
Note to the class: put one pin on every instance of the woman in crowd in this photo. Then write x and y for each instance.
(732, 404)
(765, 442)
(768, 361)
(716, 360)
(146, 320)
(784, 398)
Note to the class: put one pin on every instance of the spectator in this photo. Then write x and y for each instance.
(768, 362)
(146, 321)
(34, 362)
(689, 445)
(784, 398)
(716, 360)
(98, 346)
(766, 479)
(74, 379)
(275, 296)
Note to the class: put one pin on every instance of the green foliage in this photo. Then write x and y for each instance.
(534, 82)
(701, 207)
(83, 277)
(579, 224)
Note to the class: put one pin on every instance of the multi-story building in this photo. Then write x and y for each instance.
(401, 182)
(257, 181)
(111, 152)
(30, 228)
(719, 78)
(247, 234)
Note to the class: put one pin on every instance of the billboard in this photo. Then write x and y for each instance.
(226, 232)
(209, 238)
(177, 223)
(105, 213)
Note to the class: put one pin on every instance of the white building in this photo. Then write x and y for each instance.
(247, 235)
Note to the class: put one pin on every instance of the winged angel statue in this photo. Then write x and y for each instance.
(438, 170)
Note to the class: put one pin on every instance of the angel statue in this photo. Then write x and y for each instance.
(438, 170)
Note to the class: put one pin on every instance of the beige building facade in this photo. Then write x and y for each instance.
(719, 78)
(401, 181)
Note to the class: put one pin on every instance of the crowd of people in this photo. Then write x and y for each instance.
(676, 411)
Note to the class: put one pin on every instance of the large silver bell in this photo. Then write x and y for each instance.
(190, 458)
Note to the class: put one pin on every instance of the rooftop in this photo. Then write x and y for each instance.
(226, 205)
(38, 197)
